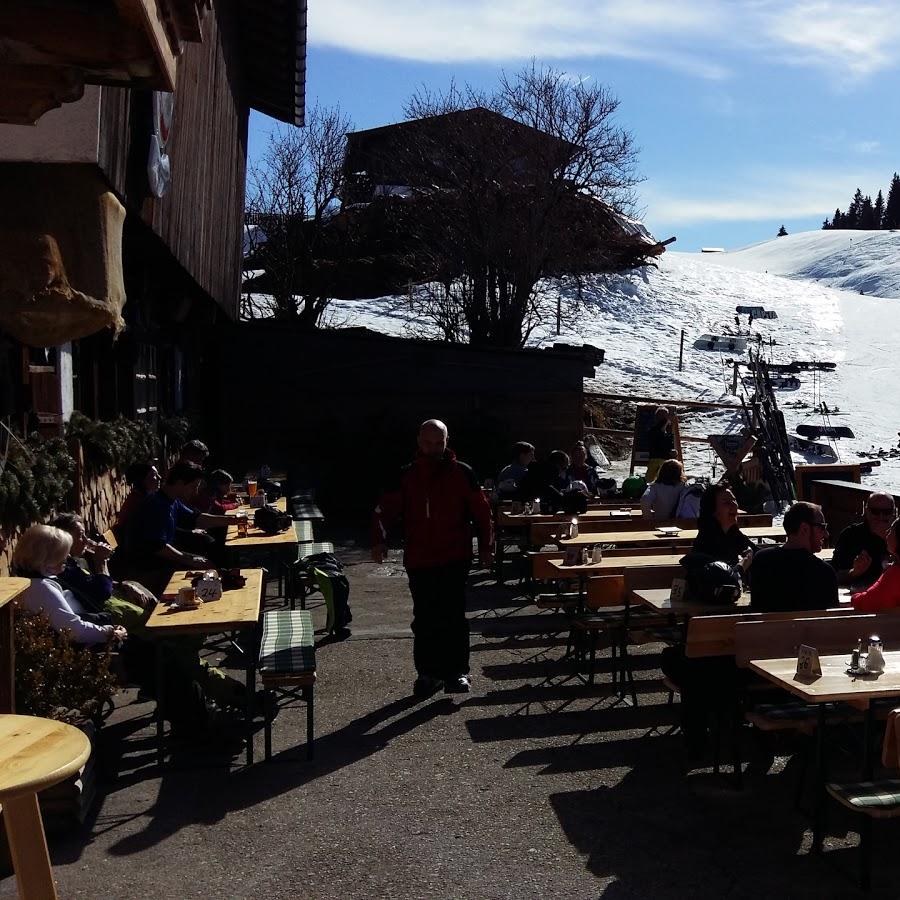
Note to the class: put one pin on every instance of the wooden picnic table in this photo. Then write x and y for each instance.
(237, 610)
(684, 537)
(10, 588)
(614, 565)
(280, 504)
(834, 685)
(35, 754)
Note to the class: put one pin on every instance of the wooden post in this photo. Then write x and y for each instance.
(681, 352)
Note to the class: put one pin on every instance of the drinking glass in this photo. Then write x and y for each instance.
(251, 487)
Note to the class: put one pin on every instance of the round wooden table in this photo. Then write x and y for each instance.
(34, 754)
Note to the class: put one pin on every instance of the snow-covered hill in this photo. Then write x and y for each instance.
(866, 262)
(638, 319)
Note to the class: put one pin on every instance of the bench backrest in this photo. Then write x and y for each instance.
(605, 590)
(651, 577)
(830, 634)
(715, 635)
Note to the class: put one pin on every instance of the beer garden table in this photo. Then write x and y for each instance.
(238, 610)
(834, 685)
(10, 588)
(34, 754)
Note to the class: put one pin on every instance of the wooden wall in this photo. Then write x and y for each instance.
(200, 218)
(340, 409)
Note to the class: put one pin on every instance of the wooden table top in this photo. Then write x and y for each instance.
(834, 684)
(685, 536)
(659, 600)
(37, 753)
(256, 537)
(506, 518)
(237, 608)
(10, 588)
(615, 565)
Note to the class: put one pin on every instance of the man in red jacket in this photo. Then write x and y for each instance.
(436, 500)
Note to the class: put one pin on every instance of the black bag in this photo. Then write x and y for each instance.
(711, 581)
(574, 503)
(271, 520)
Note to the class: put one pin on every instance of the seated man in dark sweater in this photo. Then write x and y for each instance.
(860, 554)
(791, 577)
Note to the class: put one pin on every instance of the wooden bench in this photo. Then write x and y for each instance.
(287, 667)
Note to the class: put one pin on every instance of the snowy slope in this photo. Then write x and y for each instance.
(638, 319)
(866, 262)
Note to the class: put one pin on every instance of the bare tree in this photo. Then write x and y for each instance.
(292, 193)
(523, 185)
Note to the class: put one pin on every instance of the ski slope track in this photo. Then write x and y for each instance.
(812, 280)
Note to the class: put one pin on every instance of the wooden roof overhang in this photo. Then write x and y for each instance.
(49, 49)
(273, 50)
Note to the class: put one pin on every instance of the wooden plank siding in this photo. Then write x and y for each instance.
(200, 218)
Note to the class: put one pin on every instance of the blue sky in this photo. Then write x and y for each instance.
(748, 114)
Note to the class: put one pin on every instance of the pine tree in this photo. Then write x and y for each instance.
(826, 225)
(866, 214)
(892, 207)
(879, 211)
(782, 232)
(854, 211)
(839, 220)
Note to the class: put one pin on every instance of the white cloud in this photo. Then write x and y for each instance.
(758, 194)
(849, 41)
(866, 146)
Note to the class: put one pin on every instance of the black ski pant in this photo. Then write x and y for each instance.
(440, 628)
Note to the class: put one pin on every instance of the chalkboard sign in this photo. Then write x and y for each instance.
(644, 419)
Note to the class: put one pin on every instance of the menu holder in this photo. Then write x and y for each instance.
(808, 666)
(679, 591)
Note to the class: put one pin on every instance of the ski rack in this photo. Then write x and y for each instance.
(767, 423)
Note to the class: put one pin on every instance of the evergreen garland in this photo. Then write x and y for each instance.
(35, 478)
(115, 444)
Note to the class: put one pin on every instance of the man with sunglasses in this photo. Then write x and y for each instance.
(860, 553)
(791, 577)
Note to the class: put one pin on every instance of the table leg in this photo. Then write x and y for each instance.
(819, 781)
(251, 691)
(28, 848)
(160, 705)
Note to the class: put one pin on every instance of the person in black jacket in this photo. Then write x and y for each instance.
(861, 552)
(547, 480)
(791, 577)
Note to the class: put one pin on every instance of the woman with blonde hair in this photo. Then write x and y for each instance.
(41, 555)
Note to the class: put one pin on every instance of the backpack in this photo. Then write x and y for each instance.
(689, 502)
(712, 581)
(574, 503)
(271, 520)
(328, 572)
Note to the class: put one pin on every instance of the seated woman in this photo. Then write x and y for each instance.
(718, 534)
(86, 575)
(143, 479)
(41, 554)
(660, 500)
(213, 497)
(885, 593)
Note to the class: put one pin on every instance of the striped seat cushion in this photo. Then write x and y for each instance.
(288, 643)
(880, 799)
(305, 509)
(315, 547)
(304, 531)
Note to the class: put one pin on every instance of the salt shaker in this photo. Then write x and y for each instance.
(875, 658)
(597, 555)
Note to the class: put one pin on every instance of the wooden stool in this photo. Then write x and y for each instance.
(34, 754)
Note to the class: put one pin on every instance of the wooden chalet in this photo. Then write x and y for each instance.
(122, 209)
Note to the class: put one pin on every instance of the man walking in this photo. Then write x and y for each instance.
(436, 500)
